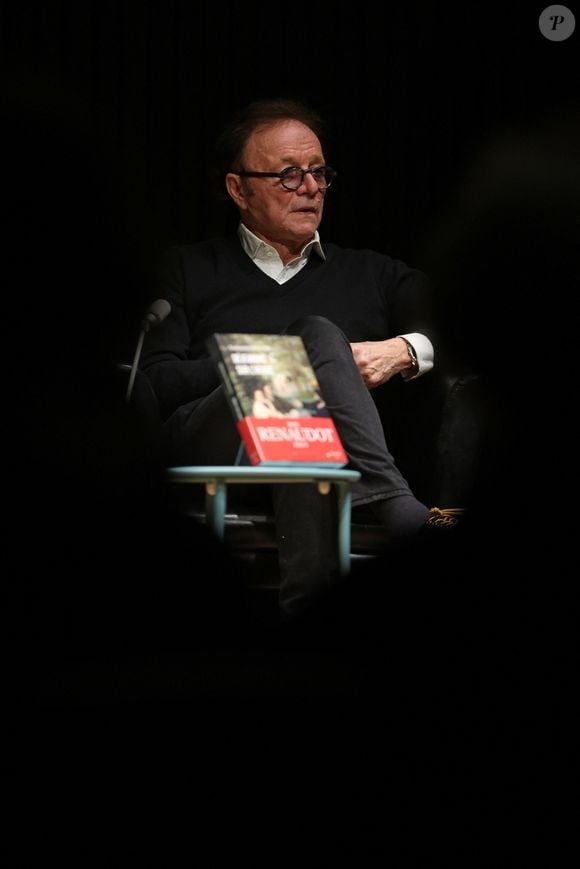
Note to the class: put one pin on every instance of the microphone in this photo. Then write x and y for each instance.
(155, 314)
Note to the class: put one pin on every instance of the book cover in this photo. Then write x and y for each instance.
(276, 400)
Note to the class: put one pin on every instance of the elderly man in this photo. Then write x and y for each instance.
(359, 312)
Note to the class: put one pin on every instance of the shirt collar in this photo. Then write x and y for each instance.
(256, 248)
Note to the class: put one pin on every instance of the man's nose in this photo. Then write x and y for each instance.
(309, 182)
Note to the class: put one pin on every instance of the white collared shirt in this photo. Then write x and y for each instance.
(269, 261)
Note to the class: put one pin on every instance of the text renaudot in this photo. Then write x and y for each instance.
(296, 433)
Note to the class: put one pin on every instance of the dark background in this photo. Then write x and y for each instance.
(409, 89)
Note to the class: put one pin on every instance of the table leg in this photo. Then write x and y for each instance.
(215, 506)
(344, 512)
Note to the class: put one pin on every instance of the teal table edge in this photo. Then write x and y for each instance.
(217, 477)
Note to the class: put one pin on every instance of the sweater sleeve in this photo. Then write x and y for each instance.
(176, 378)
(409, 300)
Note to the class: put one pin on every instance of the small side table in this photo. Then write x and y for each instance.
(216, 479)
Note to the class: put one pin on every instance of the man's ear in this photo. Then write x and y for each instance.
(235, 188)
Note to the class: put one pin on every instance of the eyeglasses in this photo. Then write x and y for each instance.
(292, 178)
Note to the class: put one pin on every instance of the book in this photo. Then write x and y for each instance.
(276, 400)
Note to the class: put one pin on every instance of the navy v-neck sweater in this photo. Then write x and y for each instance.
(213, 286)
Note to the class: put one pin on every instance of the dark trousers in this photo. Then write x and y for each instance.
(203, 432)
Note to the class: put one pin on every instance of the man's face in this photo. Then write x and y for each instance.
(274, 214)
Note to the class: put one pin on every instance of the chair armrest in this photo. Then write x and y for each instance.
(467, 438)
(438, 428)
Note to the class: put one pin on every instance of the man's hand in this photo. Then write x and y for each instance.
(378, 361)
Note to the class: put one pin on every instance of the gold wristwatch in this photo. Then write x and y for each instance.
(412, 354)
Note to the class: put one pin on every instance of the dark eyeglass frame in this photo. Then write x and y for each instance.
(283, 174)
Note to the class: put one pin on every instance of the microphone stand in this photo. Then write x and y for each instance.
(135, 364)
(157, 312)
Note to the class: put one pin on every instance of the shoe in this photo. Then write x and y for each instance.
(447, 518)
(440, 529)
